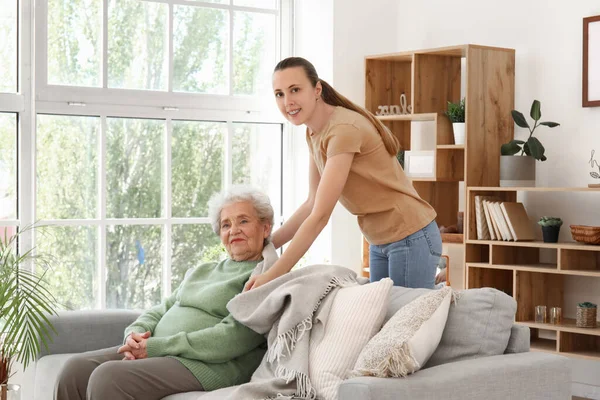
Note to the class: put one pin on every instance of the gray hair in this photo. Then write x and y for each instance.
(236, 194)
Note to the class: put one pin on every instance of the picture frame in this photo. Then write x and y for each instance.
(591, 62)
(419, 164)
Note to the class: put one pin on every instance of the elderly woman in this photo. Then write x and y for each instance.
(189, 342)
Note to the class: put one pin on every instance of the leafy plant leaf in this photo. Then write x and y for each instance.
(536, 148)
(550, 124)
(519, 119)
(595, 175)
(536, 112)
(511, 148)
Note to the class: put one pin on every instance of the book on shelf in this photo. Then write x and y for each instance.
(518, 220)
(501, 220)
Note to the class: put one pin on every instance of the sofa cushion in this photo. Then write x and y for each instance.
(479, 324)
(408, 339)
(399, 297)
(355, 316)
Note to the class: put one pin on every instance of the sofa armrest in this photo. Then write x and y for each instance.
(519, 341)
(530, 376)
(79, 331)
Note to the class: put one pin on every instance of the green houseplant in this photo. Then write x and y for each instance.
(550, 228)
(456, 115)
(25, 304)
(521, 170)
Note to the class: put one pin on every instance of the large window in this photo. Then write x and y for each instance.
(8, 166)
(144, 109)
(8, 48)
(210, 47)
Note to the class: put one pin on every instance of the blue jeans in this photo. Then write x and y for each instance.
(410, 262)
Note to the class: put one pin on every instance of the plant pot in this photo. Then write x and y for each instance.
(550, 233)
(517, 171)
(10, 392)
(459, 132)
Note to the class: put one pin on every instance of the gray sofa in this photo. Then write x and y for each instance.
(482, 355)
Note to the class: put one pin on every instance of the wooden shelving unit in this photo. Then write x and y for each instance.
(517, 268)
(429, 78)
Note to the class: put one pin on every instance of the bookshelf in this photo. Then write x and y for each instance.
(429, 78)
(518, 269)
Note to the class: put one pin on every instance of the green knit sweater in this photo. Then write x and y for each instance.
(194, 327)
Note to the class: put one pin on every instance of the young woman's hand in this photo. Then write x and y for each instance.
(441, 277)
(259, 280)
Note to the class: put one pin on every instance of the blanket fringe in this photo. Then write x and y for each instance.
(304, 389)
(286, 342)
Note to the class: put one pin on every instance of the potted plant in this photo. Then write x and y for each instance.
(25, 304)
(456, 114)
(550, 228)
(520, 171)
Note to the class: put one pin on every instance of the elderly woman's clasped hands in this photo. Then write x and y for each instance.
(135, 346)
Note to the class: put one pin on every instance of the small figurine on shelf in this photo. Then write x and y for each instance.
(594, 174)
(550, 228)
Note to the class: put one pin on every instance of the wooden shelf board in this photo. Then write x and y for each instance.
(587, 355)
(450, 146)
(415, 179)
(549, 268)
(544, 268)
(530, 189)
(546, 345)
(408, 117)
(568, 325)
(539, 244)
(580, 272)
(452, 238)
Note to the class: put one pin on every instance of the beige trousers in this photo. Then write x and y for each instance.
(104, 375)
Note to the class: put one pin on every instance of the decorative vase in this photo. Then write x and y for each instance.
(517, 171)
(586, 317)
(10, 392)
(459, 132)
(550, 233)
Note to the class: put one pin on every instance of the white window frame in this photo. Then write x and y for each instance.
(105, 103)
(148, 98)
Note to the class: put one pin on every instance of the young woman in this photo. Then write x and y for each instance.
(353, 160)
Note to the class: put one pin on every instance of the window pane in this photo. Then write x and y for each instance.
(134, 266)
(193, 245)
(66, 166)
(134, 154)
(200, 50)
(138, 44)
(197, 165)
(254, 52)
(257, 158)
(71, 264)
(8, 166)
(8, 49)
(74, 42)
(256, 3)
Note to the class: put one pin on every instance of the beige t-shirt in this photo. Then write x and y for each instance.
(377, 191)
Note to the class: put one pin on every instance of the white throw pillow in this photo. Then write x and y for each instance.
(408, 339)
(356, 314)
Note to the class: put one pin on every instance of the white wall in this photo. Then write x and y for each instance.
(313, 40)
(547, 36)
(360, 28)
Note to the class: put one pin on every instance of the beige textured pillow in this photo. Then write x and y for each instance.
(356, 314)
(408, 339)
